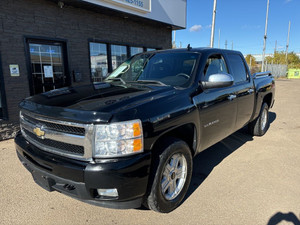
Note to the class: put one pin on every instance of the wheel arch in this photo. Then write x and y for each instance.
(186, 133)
(268, 99)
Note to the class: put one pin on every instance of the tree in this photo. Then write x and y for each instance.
(269, 59)
(293, 60)
(254, 67)
(280, 58)
(250, 58)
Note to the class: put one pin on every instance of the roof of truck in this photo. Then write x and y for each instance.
(200, 50)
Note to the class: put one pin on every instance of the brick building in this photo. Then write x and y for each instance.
(48, 44)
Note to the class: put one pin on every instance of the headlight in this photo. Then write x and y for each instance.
(118, 139)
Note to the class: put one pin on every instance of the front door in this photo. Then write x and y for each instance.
(217, 106)
(48, 65)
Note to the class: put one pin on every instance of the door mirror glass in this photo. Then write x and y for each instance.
(218, 80)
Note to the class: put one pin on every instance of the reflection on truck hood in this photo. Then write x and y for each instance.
(104, 99)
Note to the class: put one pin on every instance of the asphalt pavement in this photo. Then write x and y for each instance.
(241, 180)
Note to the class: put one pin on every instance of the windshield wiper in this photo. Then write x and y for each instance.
(117, 79)
(151, 82)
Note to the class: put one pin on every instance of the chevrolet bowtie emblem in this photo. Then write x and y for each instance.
(39, 132)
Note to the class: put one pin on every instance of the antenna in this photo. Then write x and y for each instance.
(189, 47)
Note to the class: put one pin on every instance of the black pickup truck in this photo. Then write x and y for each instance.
(131, 139)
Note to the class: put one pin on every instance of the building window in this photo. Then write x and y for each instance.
(151, 49)
(48, 65)
(99, 63)
(118, 55)
(135, 50)
(106, 57)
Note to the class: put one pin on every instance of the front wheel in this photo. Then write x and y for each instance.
(261, 124)
(172, 177)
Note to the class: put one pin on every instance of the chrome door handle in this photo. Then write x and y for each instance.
(231, 97)
(250, 91)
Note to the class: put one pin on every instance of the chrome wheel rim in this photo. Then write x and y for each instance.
(264, 117)
(174, 176)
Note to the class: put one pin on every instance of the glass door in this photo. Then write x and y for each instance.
(48, 66)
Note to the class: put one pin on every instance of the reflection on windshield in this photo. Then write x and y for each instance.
(173, 69)
(121, 69)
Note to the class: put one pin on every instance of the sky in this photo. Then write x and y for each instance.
(242, 22)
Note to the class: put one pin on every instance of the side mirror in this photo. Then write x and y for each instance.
(218, 80)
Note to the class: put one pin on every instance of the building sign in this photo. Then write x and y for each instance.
(48, 70)
(143, 5)
(172, 12)
(14, 70)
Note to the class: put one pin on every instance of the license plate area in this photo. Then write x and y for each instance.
(43, 181)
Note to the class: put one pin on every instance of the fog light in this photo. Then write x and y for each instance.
(108, 192)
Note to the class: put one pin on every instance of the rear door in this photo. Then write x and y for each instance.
(216, 106)
(244, 89)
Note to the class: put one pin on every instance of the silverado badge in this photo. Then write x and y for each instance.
(39, 132)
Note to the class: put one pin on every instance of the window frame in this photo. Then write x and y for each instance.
(3, 113)
(45, 40)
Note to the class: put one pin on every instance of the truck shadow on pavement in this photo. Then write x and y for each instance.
(206, 161)
(279, 217)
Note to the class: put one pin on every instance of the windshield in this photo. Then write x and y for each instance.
(173, 69)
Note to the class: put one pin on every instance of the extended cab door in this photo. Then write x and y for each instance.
(217, 106)
(244, 89)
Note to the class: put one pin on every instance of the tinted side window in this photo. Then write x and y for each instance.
(215, 64)
(238, 68)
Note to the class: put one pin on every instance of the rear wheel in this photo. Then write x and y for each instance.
(261, 124)
(172, 177)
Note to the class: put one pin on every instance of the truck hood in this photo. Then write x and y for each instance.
(92, 103)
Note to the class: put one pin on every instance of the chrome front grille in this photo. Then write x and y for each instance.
(68, 139)
(64, 147)
(57, 127)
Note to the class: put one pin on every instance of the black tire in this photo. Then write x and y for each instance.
(258, 127)
(173, 150)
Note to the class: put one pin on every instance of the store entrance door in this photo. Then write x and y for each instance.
(48, 64)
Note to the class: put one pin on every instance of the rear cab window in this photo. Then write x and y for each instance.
(238, 69)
